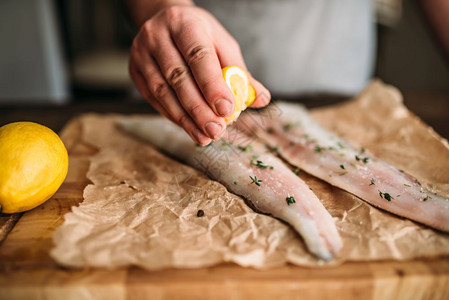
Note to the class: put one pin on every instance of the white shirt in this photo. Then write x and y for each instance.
(297, 47)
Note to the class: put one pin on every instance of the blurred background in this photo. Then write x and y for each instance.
(75, 53)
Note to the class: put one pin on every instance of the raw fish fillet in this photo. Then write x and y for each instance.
(246, 168)
(290, 130)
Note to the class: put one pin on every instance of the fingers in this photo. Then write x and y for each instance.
(197, 49)
(229, 53)
(161, 96)
(178, 76)
(263, 95)
(141, 85)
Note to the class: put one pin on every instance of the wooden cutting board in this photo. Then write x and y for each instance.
(28, 272)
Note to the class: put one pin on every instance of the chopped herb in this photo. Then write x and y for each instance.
(289, 126)
(362, 150)
(365, 160)
(247, 148)
(270, 130)
(306, 136)
(271, 167)
(318, 148)
(402, 171)
(340, 145)
(426, 198)
(225, 143)
(251, 162)
(261, 164)
(357, 158)
(290, 200)
(331, 148)
(372, 181)
(387, 196)
(357, 166)
(255, 180)
(342, 166)
(407, 185)
(255, 156)
(200, 213)
(296, 171)
(343, 173)
(235, 182)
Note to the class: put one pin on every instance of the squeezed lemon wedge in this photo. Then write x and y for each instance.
(244, 93)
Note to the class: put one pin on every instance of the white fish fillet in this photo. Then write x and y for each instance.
(231, 161)
(305, 144)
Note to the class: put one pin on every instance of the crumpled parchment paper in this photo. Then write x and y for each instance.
(141, 208)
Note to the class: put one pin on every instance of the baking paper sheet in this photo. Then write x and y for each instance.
(141, 208)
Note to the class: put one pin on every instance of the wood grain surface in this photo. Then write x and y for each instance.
(28, 272)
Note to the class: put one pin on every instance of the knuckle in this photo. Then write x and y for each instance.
(182, 120)
(147, 26)
(160, 89)
(177, 76)
(195, 109)
(173, 13)
(209, 84)
(197, 54)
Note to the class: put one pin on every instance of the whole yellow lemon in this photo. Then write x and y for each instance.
(33, 165)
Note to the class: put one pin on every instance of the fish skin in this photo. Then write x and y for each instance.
(225, 162)
(321, 153)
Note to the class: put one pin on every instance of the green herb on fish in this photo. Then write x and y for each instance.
(261, 164)
(247, 148)
(386, 196)
(318, 148)
(290, 200)
(255, 180)
(226, 143)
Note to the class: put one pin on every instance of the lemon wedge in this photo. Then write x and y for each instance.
(244, 93)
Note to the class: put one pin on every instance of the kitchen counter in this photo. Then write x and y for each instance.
(28, 272)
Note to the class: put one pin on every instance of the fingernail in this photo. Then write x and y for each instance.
(223, 107)
(200, 137)
(213, 129)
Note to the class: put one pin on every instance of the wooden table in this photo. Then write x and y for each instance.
(28, 272)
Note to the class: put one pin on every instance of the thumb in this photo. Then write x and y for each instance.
(263, 95)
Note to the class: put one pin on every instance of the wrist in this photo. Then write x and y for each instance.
(143, 10)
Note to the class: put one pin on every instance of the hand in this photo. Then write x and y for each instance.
(175, 62)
